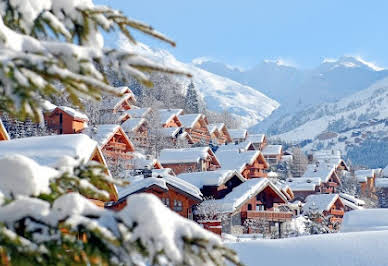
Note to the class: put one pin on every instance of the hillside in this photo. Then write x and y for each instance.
(354, 125)
(219, 93)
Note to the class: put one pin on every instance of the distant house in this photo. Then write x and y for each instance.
(250, 164)
(351, 203)
(238, 135)
(137, 130)
(119, 104)
(3, 132)
(215, 184)
(196, 126)
(328, 175)
(239, 147)
(254, 199)
(113, 142)
(219, 133)
(366, 180)
(136, 112)
(331, 157)
(259, 141)
(303, 187)
(66, 120)
(189, 160)
(329, 205)
(273, 153)
(175, 134)
(177, 194)
(169, 117)
(50, 150)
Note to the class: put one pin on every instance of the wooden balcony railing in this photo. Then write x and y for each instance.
(267, 215)
(117, 154)
(116, 146)
(332, 184)
(334, 220)
(337, 212)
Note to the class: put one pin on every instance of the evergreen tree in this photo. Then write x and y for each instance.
(192, 103)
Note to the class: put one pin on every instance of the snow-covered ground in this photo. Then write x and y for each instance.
(341, 249)
(219, 93)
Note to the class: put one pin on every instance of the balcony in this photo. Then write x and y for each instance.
(334, 220)
(327, 190)
(257, 175)
(116, 146)
(267, 215)
(332, 184)
(117, 154)
(337, 212)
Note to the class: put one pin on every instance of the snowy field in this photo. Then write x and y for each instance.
(342, 249)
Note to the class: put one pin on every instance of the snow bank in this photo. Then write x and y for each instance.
(361, 248)
(365, 220)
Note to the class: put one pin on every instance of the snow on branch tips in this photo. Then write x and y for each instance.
(55, 48)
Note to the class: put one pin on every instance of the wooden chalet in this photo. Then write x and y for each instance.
(366, 180)
(169, 117)
(175, 135)
(175, 193)
(250, 164)
(303, 187)
(238, 135)
(328, 175)
(331, 157)
(137, 130)
(136, 112)
(219, 134)
(273, 153)
(66, 120)
(50, 151)
(215, 184)
(329, 205)
(119, 104)
(254, 199)
(189, 160)
(351, 203)
(196, 125)
(3, 132)
(259, 141)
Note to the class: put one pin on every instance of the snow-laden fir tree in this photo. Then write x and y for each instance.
(192, 102)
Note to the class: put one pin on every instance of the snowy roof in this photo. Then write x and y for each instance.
(113, 102)
(214, 127)
(102, 133)
(362, 175)
(352, 199)
(132, 124)
(170, 131)
(161, 178)
(242, 146)
(243, 192)
(189, 155)
(304, 184)
(2, 129)
(123, 90)
(166, 115)
(48, 150)
(322, 171)
(381, 182)
(73, 113)
(256, 138)
(189, 120)
(210, 178)
(319, 202)
(350, 204)
(48, 106)
(233, 160)
(238, 133)
(272, 150)
(136, 112)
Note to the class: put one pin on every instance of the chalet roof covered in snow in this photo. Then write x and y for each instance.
(3, 132)
(161, 178)
(319, 202)
(189, 155)
(48, 106)
(171, 132)
(243, 192)
(363, 175)
(74, 113)
(189, 120)
(256, 138)
(102, 133)
(237, 134)
(132, 124)
(353, 199)
(233, 160)
(137, 112)
(272, 150)
(242, 146)
(113, 102)
(166, 115)
(212, 128)
(304, 184)
(48, 150)
(210, 178)
(322, 171)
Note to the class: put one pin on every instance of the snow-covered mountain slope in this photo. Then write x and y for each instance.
(351, 124)
(219, 93)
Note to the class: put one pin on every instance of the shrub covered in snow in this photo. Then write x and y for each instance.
(41, 222)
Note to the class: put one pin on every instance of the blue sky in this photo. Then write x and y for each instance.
(245, 32)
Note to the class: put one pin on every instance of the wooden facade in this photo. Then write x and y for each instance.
(173, 121)
(118, 146)
(3, 132)
(64, 122)
(257, 168)
(199, 131)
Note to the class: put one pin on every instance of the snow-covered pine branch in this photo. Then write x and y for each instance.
(52, 47)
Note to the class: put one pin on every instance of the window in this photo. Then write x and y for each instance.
(178, 206)
(249, 207)
(260, 207)
(166, 201)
